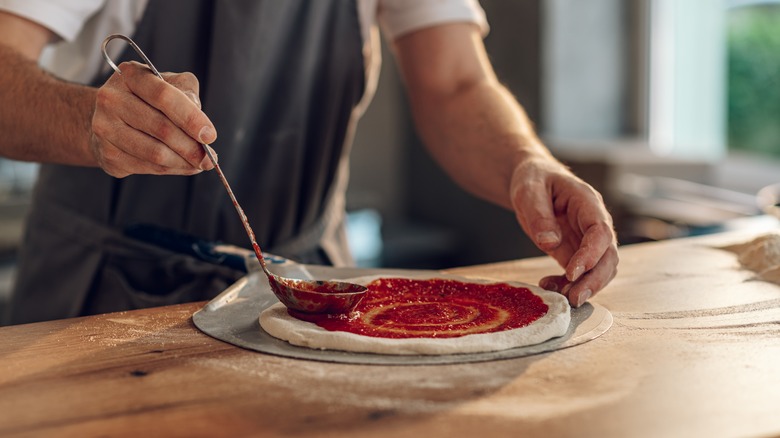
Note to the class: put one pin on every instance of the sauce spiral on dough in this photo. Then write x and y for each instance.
(435, 308)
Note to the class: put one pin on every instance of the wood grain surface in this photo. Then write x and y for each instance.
(694, 351)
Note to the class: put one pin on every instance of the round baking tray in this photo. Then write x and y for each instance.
(233, 318)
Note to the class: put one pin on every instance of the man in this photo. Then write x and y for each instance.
(277, 88)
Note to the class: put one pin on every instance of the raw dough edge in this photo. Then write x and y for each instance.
(278, 323)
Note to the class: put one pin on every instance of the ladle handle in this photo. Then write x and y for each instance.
(239, 210)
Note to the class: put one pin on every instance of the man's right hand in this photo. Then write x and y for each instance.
(134, 124)
(142, 125)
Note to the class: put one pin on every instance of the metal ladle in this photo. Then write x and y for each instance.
(307, 296)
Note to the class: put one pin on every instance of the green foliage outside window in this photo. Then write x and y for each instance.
(754, 79)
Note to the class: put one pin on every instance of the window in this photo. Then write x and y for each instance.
(753, 71)
(714, 77)
(686, 83)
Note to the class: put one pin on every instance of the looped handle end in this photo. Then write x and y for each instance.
(134, 46)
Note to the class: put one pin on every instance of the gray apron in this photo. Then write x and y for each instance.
(280, 80)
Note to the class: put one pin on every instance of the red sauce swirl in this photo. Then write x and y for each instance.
(435, 308)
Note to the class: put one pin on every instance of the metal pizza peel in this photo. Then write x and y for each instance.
(232, 317)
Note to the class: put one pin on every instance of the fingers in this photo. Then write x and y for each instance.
(555, 283)
(589, 284)
(171, 101)
(588, 215)
(594, 262)
(578, 292)
(119, 164)
(595, 242)
(144, 125)
(187, 83)
(149, 132)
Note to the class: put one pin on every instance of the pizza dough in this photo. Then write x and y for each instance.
(761, 255)
(278, 323)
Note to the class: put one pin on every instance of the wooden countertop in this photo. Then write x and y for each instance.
(694, 351)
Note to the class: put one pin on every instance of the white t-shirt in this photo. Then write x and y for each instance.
(83, 24)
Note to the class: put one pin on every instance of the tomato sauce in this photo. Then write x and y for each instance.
(434, 308)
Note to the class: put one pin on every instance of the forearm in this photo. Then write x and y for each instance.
(472, 125)
(42, 118)
(480, 135)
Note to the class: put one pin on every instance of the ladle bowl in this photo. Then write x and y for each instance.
(315, 296)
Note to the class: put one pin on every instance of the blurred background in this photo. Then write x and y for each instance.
(670, 108)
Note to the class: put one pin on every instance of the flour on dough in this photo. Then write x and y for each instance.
(761, 255)
(278, 323)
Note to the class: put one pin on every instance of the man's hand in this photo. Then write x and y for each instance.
(142, 125)
(567, 219)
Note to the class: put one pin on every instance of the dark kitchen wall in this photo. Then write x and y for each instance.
(427, 220)
(486, 232)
